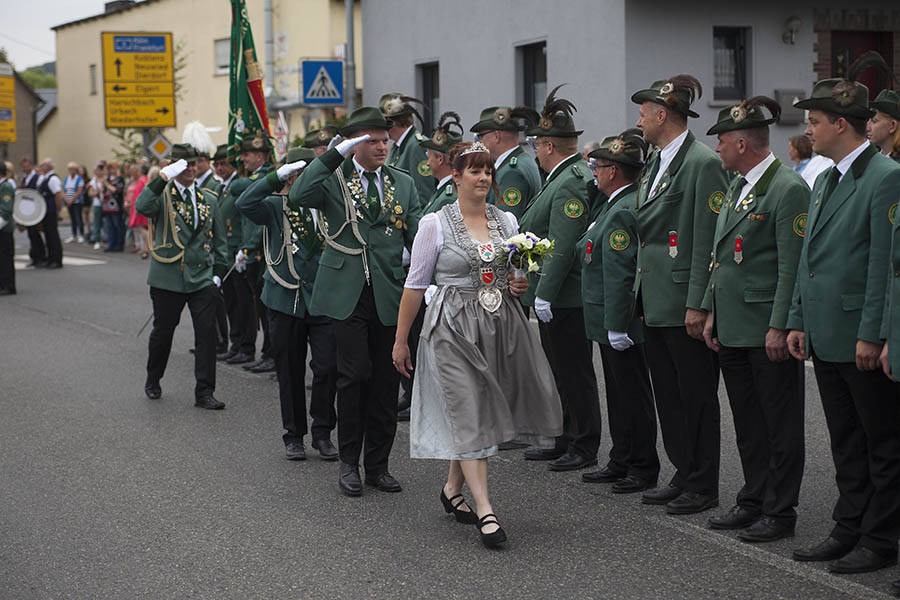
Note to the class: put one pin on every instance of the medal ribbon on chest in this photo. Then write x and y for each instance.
(673, 244)
(588, 252)
(738, 249)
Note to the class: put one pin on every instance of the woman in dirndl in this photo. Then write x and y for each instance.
(481, 376)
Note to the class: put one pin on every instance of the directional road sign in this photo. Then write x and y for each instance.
(159, 146)
(7, 104)
(323, 82)
(138, 79)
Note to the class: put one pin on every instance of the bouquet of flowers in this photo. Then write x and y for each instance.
(526, 251)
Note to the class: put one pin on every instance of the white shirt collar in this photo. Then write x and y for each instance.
(617, 192)
(444, 180)
(227, 181)
(360, 170)
(202, 176)
(553, 170)
(666, 155)
(181, 189)
(845, 163)
(403, 135)
(754, 174)
(503, 156)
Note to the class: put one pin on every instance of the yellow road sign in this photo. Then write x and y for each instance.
(138, 79)
(7, 104)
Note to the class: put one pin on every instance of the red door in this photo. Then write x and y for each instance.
(847, 46)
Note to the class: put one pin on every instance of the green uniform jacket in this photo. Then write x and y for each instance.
(442, 196)
(839, 295)
(607, 271)
(410, 156)
(341, 277)
(211, 183)
(890, 323)
(680, 219)
(251, 233)
(232, 219)
(751, 296)
(560, 213)
(262, 206)
(518, 180)
(7, 199)
(204, 248)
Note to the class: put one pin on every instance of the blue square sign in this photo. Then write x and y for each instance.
(323, 82)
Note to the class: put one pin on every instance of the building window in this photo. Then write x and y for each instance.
(431, 96)
(534, 74)
(730, 62)
(223, 55)
(93, 75)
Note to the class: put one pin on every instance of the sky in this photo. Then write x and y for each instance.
(25, 27)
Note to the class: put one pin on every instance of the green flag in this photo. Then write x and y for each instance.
(247, 115)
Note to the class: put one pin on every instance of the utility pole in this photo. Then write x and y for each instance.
(350, 65)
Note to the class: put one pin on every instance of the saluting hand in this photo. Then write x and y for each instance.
(347, 145)
(867, 355)
(173, 170)
(885, 362)
(796, 341)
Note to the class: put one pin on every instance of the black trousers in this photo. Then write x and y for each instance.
(239, 305)
(254, 278)
(862, 409)
(290, 336)
(7, 264)
(569, 353)
(367, 386)
(415, 331)
(685, 375)
(221, 323)
(767, 403)
(631, 417)
(167, 307)
(51, 250)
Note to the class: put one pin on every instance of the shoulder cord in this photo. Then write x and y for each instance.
(349, 217)
(285, 236)
(168, 218)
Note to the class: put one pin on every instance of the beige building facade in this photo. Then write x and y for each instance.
(201, 31)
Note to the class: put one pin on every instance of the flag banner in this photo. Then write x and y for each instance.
(247, 115)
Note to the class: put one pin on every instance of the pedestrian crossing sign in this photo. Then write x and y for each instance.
(323, 82)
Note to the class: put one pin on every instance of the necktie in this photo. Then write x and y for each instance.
(653, 171)
(373, 201)
(736, 193)
(190, 202)
(833, 177)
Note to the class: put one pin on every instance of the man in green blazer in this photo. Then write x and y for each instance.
(608, 256)
(883, 128)
(836, 316)
(560, 212)
(7, 228)
(292, 246)
(447, 134)
(372, 212)
(756, 247)
(679, 197)
(518, 178)
(407, 152)
(189, 257)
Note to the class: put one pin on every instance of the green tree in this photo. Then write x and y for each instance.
(38, 79)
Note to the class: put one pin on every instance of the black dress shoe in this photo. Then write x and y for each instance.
(452, 504)
(53, 265)
(405, 401)
(830, 549)
(403, 415)
(384, 482)
(239, 359)
(535, 453)
(737, 517)
(604, 475)
(295, 451)
(256, 364)
(572, 462)
(661, 495)
(7, 292)
(766, 529)
(264, 366)
(326, 449)
(348, 480)
(494, 538)
(631, 484)
(689, 503)
(895, 587)
(153, 391)
(37, 264)
(863, 560)
(209, 403)
(226, 355)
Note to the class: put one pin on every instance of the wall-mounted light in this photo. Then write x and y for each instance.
(791, 29)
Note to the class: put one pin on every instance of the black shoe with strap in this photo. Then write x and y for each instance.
(461, 516)
(153, 391)
(495, 538)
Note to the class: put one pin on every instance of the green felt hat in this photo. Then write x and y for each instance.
(748, 114)
(555, 118)
(627, 148)
(676, 93)
(222, 153)
(499, 118)
(319, 137)
(185, 151)
(365, 117)
(846, 97)
(444, 136)
(888, 102)
(300, 153)
(256, 142)
(395, 105)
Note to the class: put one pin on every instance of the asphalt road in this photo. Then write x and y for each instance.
(105, 494)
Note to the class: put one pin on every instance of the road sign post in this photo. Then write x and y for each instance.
(7, 104)
(323, 82)
(138, 79)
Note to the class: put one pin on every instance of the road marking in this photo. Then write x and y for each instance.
(753, 552)
(22, 260)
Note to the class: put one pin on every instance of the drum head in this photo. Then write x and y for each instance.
(29, 207)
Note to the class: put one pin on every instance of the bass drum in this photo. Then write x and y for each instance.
(29, 207)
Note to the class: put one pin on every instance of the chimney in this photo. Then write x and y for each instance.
(117, 5)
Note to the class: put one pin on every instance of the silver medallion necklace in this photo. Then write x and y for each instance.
(486, 264)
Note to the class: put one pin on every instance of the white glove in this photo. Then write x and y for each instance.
(217, 280)
(619, 340)
(347, 145)
(285, 171)
(174, 170)
(429, 294)
(239, 264)
(335, 141)
(542, 310)
(3, 222)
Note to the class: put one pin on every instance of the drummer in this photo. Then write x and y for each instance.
(7, 247)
